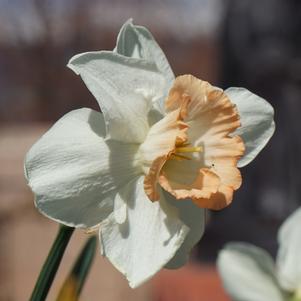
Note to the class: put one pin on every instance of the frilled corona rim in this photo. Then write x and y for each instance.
(200, 162)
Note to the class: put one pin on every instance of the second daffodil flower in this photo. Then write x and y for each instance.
(144, 170)
(249, 273)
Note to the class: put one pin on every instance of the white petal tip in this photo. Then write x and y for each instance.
(120, 214)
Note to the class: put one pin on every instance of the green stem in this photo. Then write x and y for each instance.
(83, 263)
(73, 285)
(51, 264)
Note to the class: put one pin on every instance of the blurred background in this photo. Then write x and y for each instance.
(226, 42)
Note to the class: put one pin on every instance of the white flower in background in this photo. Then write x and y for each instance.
(250, 274)
(144, 169)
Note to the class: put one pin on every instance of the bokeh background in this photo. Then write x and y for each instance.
(226, 42)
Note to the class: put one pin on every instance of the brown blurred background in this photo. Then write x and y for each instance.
(229, 43)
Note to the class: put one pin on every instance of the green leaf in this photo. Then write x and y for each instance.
(73, 285)
(51, 264)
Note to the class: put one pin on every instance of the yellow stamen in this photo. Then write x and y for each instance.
(186, 149)
(179, 157)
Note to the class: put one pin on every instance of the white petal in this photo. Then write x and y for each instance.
(120, 206)
(247, 273)
(128, 43)
(137, 41)
(125, 89)
(194, 218)
(257, 122)
(288, 258)
(148, 239)
(74, 173)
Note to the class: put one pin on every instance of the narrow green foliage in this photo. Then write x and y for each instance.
(51, 264)
(73, 285)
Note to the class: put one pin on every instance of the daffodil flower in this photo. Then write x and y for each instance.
(144, 170)
(249, 273)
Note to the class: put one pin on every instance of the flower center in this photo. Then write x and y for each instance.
(196, 114)
(185, 148)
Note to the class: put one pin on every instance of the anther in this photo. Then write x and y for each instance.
(186, 149)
